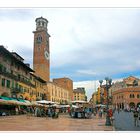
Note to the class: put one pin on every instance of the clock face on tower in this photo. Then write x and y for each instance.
(46, 55)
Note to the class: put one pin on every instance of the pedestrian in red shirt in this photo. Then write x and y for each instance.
(110, 112)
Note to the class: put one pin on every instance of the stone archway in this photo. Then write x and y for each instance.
(132, 105)
(117, 106)
(122, 105)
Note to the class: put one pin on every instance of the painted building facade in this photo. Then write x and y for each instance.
(17, 78)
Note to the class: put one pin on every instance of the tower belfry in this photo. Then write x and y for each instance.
(41, 57)
(41, 24)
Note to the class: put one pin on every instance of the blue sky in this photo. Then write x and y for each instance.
(86, 44)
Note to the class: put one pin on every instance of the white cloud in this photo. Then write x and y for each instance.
(88, 72)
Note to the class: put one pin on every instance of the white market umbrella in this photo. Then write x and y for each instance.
(75, 106)
(45, 102)
(78, 101)
(27, 102)
(64, 105)
(56, 105)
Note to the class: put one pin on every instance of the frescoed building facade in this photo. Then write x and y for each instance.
(17, 78)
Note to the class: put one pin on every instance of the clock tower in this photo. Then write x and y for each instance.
(41, 56)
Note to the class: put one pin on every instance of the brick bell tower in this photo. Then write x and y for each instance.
(41, 56)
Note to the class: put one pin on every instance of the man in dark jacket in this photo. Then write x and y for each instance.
(136, 117)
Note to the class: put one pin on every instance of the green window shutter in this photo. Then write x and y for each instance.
(1, 67)
(8, 84)
(12, 83)
(3, 82)
(17, 86)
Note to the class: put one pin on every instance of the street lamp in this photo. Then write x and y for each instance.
(108, 85)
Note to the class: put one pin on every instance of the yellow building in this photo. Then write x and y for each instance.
(39, 92)
(66, 83)
(98, 95)
(79, 94)
(56, 93)
(93, 99)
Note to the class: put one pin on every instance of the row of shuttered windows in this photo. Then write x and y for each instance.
(8, 84)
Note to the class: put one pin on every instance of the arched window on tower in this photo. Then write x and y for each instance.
(39, 39)
(42, 23)
(39, 23)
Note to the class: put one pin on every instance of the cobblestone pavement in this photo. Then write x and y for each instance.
(63, 123)
(124, 121)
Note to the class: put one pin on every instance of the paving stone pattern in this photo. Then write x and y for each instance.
(63, 123)
(124, 121)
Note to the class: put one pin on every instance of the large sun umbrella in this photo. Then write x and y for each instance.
(28, 103)
(45, 102)
(11, 101)
(56, 105)
(79, 101)
(65, 106)
(34, 103)
(21, 101)
(7, 101)
(4, 102)
(75, 106)
(15, 101)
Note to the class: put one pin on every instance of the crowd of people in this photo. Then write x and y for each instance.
(43, 112)
(37, 111)
(81, 112)
(84, 112)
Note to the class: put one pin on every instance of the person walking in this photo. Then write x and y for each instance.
(138, 109)
(100, 113)
(110, 112)
(16, 110)
(36, 111)
(28, 112)
(136, 117)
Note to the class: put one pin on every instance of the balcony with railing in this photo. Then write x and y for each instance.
(15, 90)
(7, 74)
(26, 81)
(16, 78)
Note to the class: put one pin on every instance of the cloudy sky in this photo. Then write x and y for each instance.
(86, 44)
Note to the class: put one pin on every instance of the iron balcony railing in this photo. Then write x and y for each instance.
(12, 76)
